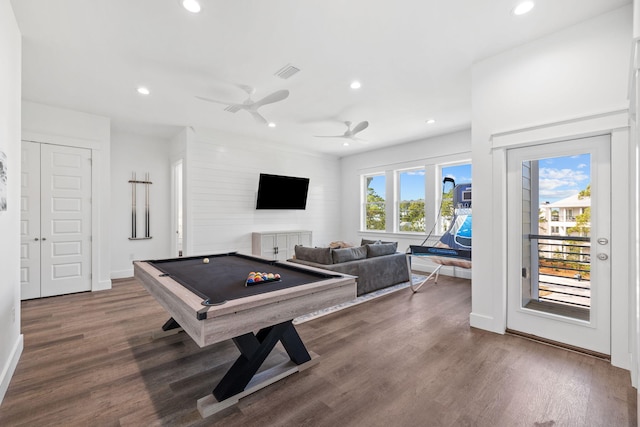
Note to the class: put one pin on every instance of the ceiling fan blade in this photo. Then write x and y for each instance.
(257, 117)
(360, 127)
(215, 100)
(270, 99)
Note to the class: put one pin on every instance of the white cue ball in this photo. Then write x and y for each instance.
(206, 260)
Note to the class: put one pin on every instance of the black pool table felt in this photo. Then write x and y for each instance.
(223, 278)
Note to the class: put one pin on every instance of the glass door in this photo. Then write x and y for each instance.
(559, 221)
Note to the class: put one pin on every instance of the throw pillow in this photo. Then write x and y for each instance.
(381, 249)
(317, 255)
(348, 254)
(370, 242)
(339, 244)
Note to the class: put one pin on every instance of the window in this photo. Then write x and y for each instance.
(461, 174)
(406, 198)
(411, 200)
(375, 214)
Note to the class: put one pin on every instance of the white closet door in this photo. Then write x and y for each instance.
(65, 219)
(30, 221)
(56, 220)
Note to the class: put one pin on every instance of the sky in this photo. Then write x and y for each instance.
(560, 177)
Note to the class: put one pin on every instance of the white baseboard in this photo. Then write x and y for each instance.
(122, 274)
(481, 321)
(10, 366)
(102, 285)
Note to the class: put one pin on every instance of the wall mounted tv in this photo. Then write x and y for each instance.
(282, 192)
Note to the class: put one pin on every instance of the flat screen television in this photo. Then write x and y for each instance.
(282, 192)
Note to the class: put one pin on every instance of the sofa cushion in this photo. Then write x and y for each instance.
(349, 254)
(318, 255)
(380, 249)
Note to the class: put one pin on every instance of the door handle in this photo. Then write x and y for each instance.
(44, 238)
(36, 239)
(603, 241)
(603, 257)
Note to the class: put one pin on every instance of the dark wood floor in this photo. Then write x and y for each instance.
(400, 360)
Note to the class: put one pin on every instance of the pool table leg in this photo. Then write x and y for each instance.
(254, 350)
(170, 324)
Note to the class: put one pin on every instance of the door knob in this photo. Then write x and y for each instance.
(44, 238)
(36, 239)
(603, 241)
(603, 257)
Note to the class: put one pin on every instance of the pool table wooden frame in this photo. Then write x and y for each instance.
(238, 319)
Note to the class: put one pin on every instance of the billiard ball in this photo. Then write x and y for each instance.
(206, 260)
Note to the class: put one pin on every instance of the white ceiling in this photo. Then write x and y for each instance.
(413, 58)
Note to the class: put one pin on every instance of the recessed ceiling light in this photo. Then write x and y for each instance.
(355, 85)
(271, 125)
(143, 90)
(523, 8)
(192, 6)
(345, 144)
(431, 121)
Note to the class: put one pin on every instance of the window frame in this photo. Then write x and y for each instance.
(441, 227)
(433, 193)
(364, 188)
(398, 199)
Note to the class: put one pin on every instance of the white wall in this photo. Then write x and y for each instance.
(54, 125)
(448, 148)
(221, 183)
(578, 72)
(139, 154)
(10, 59)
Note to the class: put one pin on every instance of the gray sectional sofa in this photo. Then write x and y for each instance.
(376, 264)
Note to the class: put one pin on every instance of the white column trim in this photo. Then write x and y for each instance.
(10, 367)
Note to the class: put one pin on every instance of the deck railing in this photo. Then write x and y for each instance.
(564, 265)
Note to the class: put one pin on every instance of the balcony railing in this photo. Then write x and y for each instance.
(564, 266)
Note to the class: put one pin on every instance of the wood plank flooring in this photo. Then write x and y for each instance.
(400, 360)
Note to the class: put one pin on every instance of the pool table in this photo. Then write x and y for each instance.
(208, 297)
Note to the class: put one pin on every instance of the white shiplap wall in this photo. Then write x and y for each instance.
(222, 184)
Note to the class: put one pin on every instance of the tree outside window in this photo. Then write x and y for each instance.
(375, 214)
(411, 201)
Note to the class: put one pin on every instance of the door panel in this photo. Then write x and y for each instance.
(66, 219)
(55, 220)
(30, 221)
(559, 272)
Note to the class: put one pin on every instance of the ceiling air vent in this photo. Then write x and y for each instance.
(286, 71)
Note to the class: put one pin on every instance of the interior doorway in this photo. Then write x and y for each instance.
(177, 212)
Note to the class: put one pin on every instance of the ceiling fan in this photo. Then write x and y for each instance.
(349, 133)
(249, 104)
